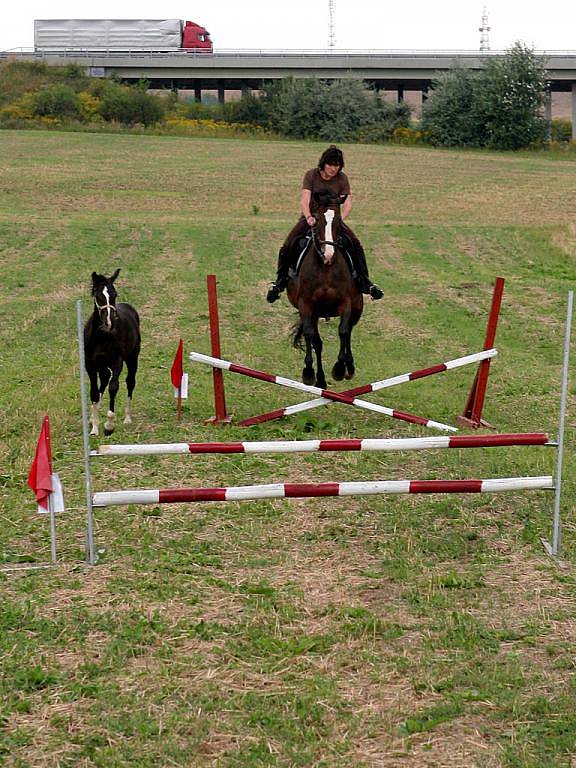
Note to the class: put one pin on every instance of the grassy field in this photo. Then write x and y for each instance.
(379, 631)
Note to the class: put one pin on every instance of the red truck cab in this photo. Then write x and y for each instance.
(196, 37)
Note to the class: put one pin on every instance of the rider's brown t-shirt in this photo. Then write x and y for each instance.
(314, 182)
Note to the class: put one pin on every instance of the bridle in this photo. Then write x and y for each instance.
(318, 243)
(110, 308)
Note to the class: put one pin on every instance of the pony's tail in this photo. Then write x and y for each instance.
(296, 334)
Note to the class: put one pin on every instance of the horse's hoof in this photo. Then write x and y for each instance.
(127, 420)
(338, 371)
(350, 372)
(321, 383)
(108, 432)
(308, 377)
(94, 433)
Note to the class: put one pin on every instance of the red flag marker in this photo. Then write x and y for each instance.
(40, 476)
(176, 374)
(177, 367)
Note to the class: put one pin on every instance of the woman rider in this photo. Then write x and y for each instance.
(329, 174)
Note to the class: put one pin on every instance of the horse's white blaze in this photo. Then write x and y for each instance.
(328, 249)
(94, 419)
(128, 413)
(108, 322)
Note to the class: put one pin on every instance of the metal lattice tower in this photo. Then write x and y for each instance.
(484, 30)
(331, 35)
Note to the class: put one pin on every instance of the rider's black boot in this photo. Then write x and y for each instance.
(362, 278)
(281, 276)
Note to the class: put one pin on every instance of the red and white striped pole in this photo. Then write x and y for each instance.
(313, 446)
(306, 490)
(325, 393)
(375, 386)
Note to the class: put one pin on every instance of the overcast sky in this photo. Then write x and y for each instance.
(303, 24)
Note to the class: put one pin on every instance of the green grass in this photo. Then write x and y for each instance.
(413, 631)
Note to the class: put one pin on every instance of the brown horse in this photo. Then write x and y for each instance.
(324, 287)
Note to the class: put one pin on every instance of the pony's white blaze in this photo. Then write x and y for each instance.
(328, 248)
(108, 322)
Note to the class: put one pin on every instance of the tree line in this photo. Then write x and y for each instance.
(498, 107)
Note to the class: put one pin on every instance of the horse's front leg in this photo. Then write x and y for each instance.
(308, 374)
(110, 423)
(344, 365)
(317, 344)
(94, 398)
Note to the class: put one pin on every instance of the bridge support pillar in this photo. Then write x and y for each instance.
(197, 92)
(574, 111)
(548, 113)
(246, 90)
(221, 95)
(400, 93)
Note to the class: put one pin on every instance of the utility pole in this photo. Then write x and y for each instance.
(331, 35)
(484, 30)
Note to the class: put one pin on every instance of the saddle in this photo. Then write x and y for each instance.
(300, 246)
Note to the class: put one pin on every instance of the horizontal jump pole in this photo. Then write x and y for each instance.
(305, 490)
(337, 397)
(311, 446)
(375, 386)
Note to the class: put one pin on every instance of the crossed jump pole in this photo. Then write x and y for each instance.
(472, 416)
(325, 394)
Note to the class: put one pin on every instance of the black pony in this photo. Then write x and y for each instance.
(324, 287)
(111, 337)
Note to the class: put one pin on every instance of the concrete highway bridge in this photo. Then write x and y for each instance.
(396, 71)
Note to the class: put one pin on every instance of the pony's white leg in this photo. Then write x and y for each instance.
(110, 423)
(128, 414)
(94, 420)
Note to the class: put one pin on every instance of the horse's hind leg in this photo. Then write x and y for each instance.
(110, 423)
(132, 365)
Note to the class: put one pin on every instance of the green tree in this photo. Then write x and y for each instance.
(447, 113)
(509, 99)
(500, 107)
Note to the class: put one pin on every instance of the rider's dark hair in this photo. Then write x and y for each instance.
(331, 156)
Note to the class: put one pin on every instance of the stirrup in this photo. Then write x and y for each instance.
(375, 292)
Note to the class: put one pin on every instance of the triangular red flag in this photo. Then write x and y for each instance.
(40, 476)
(177, 367)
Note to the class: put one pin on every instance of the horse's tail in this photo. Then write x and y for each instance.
(296, 334)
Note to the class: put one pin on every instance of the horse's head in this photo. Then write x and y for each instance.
(104, 295)
(328, 221)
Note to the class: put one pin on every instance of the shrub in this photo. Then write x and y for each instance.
(128, 106)
(56, 101)
(561, 130)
